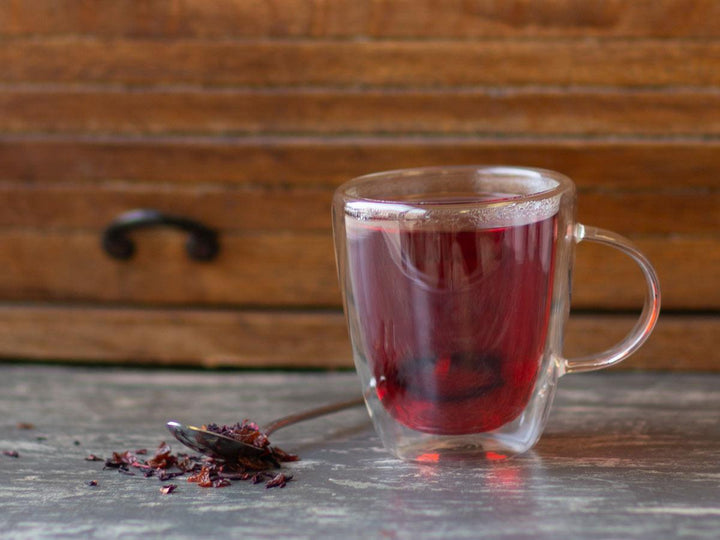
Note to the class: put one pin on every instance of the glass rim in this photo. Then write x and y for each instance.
(562, 185)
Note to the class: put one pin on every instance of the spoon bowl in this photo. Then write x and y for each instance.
(212, 444)
(226, 448)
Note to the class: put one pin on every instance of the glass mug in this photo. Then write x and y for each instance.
(456, 288)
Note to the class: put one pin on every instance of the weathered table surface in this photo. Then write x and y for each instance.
(624, 456)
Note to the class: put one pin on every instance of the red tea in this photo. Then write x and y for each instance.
(453, 320)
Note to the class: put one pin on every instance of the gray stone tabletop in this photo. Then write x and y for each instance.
(625, 455)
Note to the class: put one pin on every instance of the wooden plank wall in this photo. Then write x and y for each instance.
(246, 114)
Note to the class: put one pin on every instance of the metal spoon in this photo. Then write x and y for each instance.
(219, 446)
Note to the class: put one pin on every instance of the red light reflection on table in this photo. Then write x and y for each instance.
(429, 458)
(434, 457)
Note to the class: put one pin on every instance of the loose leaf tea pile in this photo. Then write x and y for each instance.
(207, 471)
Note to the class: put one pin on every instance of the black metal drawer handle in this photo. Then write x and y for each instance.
(202, 244)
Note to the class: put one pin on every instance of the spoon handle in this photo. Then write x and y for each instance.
(312, 413)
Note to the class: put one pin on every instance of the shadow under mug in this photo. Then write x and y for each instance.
(456, 285)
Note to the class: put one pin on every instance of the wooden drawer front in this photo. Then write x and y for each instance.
(246, 116)
(451, 19)
(66, 262)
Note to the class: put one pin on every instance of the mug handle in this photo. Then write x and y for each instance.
(648, 317)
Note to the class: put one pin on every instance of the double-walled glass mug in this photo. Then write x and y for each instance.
(456, 286)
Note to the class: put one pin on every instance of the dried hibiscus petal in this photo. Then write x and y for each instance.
(163, 458)
(120, 459)
(279, 480)
(257, 478)
(203, 477)
(164, 476)
(281, 455)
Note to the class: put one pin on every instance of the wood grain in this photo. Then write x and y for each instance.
(83, 206)
(281, 269)
(616, 63)
(361, 18)
(250, 209)
(634, 453)
(508, 111)
(246, 114)
(612, 163)
(298, 269)
(678, 343)
(215, 338)
(190, 337)
(687, 268)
